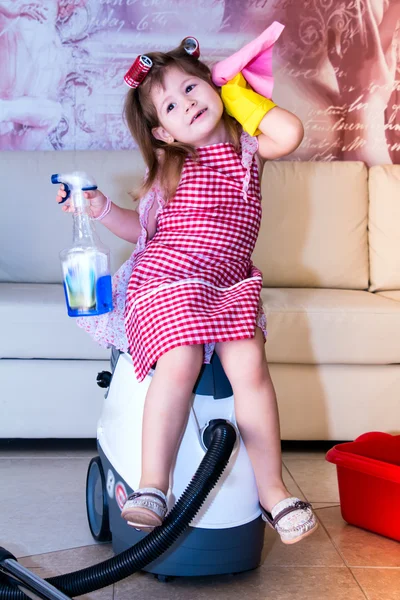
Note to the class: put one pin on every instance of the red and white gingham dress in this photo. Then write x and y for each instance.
(194, 282)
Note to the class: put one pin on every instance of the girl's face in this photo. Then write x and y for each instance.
(189, 110)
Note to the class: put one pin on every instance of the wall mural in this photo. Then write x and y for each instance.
(336, 67)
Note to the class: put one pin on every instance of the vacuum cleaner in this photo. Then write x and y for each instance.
(214, 527)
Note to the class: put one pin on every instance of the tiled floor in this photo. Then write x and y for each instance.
(44, 524)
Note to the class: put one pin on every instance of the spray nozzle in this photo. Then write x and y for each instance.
(77, 181)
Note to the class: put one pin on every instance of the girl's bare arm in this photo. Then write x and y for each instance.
(123, 222)
(281, 133)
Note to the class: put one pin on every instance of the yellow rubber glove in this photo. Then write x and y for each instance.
(244, 104)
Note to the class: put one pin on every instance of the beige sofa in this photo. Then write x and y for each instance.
(329, 249)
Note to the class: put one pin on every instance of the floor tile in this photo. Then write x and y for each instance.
(70, 560)
(291, 485)
(359, 548)
(317, 479)
(315, 551)
(43, 505)
(379, 584)
(277, 583)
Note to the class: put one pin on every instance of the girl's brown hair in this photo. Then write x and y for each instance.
(165, 161)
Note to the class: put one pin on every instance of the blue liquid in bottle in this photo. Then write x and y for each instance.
(101, 304)
(104, 294)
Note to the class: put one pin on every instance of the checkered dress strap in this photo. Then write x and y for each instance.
(249, 148)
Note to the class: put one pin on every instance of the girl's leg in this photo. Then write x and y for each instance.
(256, 410)
(166, 411)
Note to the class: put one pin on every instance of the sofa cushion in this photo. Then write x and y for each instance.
(312, 326)
(384, 227)
(50, 398)
(35, 324)
(392, 295)
(314, 227)
(336, 402)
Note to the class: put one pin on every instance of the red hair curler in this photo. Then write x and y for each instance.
(138, 71)
(192, 46)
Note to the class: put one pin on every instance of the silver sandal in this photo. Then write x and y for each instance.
(145, 509)
(292, 529)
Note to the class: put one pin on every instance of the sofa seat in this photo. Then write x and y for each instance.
(35, 324)
(391, 294)
(362, 328)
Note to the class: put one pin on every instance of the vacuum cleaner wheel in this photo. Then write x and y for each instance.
(97, 502)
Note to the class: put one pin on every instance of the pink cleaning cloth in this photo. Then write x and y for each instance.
(254, 61)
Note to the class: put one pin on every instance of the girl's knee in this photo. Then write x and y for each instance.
(245, 361)
(253, 369)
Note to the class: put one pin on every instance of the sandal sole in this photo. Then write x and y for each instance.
(298, 539)
(141, 518)
(301, 537)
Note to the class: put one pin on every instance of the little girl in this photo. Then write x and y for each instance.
(190, 286)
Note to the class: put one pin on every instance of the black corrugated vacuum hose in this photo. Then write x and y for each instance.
(160, 539)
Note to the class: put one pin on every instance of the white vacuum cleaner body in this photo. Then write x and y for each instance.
(233, 502)
(226, 535)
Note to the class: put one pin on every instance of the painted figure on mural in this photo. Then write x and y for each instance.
(344, 58)
(336, 67)
(32, 74)
(366, 76)
(356, 78)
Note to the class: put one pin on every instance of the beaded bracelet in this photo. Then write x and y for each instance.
(105, 212)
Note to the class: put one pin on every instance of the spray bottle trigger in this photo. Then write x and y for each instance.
(66, 189)
(55, 178)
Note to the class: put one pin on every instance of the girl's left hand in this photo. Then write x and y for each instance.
(244, 104)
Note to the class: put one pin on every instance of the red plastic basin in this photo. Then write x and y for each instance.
(368, 472)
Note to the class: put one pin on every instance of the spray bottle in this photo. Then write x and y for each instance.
(86, 263)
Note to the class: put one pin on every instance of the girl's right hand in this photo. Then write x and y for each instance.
(96, 199)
